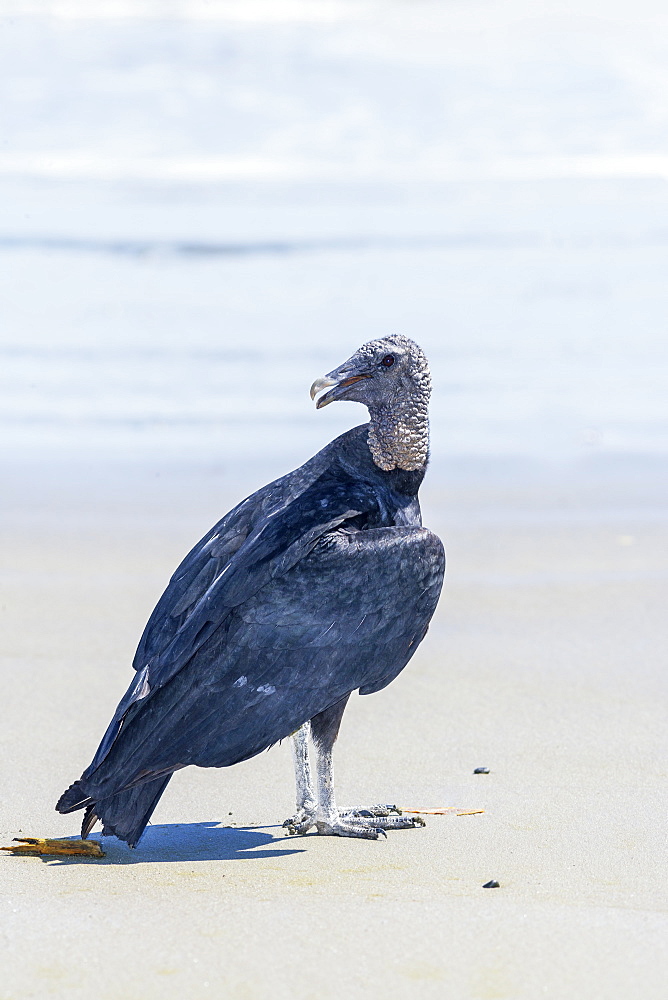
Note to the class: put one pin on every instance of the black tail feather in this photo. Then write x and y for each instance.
(73, 798)
(89, 821)
(124, 814)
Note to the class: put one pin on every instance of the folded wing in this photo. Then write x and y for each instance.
(339, 611)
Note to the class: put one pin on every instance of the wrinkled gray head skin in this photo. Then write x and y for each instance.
(391, 377)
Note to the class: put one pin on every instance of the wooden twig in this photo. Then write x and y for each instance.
(39, 845)
(443, 811)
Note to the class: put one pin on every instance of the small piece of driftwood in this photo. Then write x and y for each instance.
(443, 811)
(40, 845)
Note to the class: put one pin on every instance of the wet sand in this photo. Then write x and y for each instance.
(543, 663)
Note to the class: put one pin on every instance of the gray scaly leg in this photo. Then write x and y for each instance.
(304, 818)
(325, 729)
(367, 824)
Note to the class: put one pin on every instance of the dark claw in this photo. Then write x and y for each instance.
(380, 830)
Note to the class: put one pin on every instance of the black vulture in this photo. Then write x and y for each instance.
(320, 584)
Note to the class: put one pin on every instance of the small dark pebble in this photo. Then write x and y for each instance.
(481, 770)
(493, 884)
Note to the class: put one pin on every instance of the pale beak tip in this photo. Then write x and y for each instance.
(319, 384)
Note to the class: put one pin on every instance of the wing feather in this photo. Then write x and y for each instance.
(349, 615)
(273, 535)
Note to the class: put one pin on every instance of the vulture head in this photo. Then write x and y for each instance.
(391, 377)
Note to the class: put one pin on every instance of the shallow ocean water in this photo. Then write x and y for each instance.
(206, 206)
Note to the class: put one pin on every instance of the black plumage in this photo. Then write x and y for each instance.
(319, 584)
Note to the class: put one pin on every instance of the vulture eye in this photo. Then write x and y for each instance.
(388, 360)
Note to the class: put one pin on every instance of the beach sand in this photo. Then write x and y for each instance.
(544, 663)
(205, 206)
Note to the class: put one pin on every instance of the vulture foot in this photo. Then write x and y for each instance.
(383, 817)
(300, 823)
(367, 823)
(366, 829)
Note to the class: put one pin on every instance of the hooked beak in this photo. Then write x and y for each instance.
(325, 382)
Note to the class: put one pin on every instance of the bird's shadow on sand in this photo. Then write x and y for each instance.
(188, 842)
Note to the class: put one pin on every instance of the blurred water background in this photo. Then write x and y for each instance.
(205, 204)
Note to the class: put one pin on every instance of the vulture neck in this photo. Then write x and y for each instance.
(399, 434)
